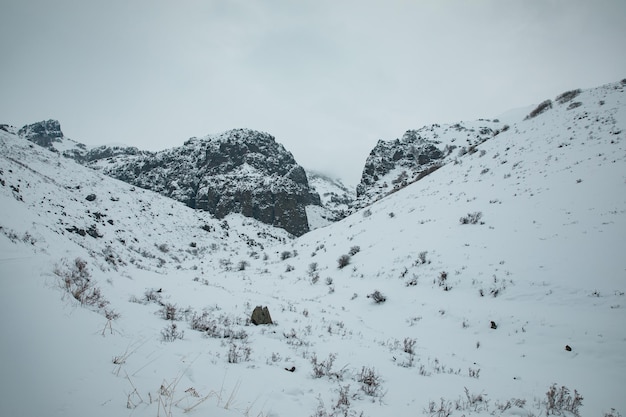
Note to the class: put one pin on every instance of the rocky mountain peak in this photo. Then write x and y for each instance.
(238, 171)
(43, 133)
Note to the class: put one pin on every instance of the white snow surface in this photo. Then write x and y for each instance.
(549, 246)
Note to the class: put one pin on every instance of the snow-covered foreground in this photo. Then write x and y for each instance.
(544, 262)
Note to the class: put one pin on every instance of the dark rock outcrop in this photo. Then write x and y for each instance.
(239, 171)
(48, 134)
(43, 133)
(409, 155)
(392, 165)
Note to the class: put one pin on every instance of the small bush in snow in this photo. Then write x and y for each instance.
(422, 257)
(325, 368)
(370, 382)
(567, 96)
(354, 250)
(238, 353)
(170, 312)
(367, 213)
(412, 282)
(542, 107)
(560, 399)
(76, 280)
(443, 280)
(472, 218)
(242, 265)
(153, 296)
(285, 255)
(343, 261)
(377, 297)
(171, 333)
(409, 345)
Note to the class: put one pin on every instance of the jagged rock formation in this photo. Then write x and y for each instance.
(44, 133)
(239, 171)
(392, 165)
(48, 134)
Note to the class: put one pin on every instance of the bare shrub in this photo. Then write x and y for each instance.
(409, 345)
(560, 399)
(422, 257)
(567, 96)
(354, 250)
(444, 409)
(474, 373)
(170, 312)
(152, 296)
(343, 261)
(217, 327)
(472, 218)
(325, 368)
(76, 280)
(370, 382)
(238, 352)
(377, 296)
(541, 108)
(171, 333)
(574, 104)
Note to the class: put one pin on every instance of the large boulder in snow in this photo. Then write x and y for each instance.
(261, 315)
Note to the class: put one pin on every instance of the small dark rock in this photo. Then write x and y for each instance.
(494, 325)
(261, 315)
(90, 197)
(292, 369)
(568, 348)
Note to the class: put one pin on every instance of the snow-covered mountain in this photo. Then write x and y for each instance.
(336, 200)
(238, 171)
(493, 286)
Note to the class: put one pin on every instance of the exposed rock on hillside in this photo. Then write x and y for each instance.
(239, 171)
(392, 165)
(42, 133)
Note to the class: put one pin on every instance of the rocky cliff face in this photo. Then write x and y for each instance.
(392, 165)
(44, 133)
(239, 171)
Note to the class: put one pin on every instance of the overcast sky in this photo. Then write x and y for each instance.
(327, 78)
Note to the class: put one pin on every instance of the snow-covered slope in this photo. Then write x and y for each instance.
(456, 295)
(336, 200)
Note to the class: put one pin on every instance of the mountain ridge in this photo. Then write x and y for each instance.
(480, 289)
